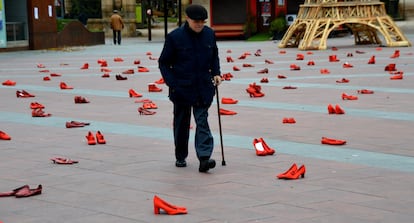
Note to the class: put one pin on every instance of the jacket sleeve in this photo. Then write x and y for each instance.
(165, 62)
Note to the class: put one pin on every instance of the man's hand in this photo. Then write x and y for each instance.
(217, 80)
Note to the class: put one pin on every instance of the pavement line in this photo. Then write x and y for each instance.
(334, 153)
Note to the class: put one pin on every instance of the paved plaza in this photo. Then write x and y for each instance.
(369, 179)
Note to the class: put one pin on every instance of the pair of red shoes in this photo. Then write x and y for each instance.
(75, 124)
(99, 138)
(4, 136)
(9, 83)
(254, 90)
(227, 76)
(23, 191)
(331, 141)
(24, 94)
(167, 207)
(227, 112)
(264, 80)
(311, 63)
(80, 100)
(335, 110)
(289, 120)
(262, 149)
(293, 173)
(325, 71)
(62, 160)
(228, 101)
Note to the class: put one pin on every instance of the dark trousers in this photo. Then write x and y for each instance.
(117, 36)
(203, 141)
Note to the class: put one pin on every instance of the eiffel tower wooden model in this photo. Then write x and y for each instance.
(318, 18)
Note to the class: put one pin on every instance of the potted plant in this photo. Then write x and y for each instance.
(278, 27)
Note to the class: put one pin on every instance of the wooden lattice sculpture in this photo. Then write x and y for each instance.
(318, 18)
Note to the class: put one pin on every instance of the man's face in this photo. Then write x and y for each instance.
(196, 25)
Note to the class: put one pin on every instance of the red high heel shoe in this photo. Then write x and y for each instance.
(343, 80)
(254, 93)
(24, 94)
(13, 192)
(398, 76)
(236, 68)
(390, 67)
(349, 97)
(4, 136)
(339, 110)
(228, 101)
(142, 69)
(396, 54)
(118, 59)
(129, 71)
(331, 109)
(264, 80)
(168, 208)
(27, 192)
(160, 81)
(143, 111)
(294, 67)
(100, 138)
(227, 112)
(38, 112)
(331, 141)
(34, 105)
(134, 94)
(64, 86)
(90, 138)
(289, 121)
(371, 60)
(365, 91)
(229, 59)
(9, 83)
(264, 71)
(80, 100)
(85, 66)
(152, 87)
(267, 61)
(284, 175)
(259, 147)
(293, 173)
(300, 56)
(61, 160)
(267, 148)
(311, 63)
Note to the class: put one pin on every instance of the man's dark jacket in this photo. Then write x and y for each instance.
(188, 62)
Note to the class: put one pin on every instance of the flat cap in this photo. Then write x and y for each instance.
(196, 12)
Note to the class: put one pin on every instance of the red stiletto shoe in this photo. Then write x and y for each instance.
(160, 81)
(331, 109)
(331, 141)
(268, 149)
(9, 83)
(227, 112)
(4, 136)
(269, 61)
(281, 76)
(347, 65)
(38, 112)
(365, 91)
(259, 147)
(236, 68)
(343, 80)
(284, 175)
(396, 54)
(397, 76)
(339, 110)
(300, 56)
(13, 192)
(85, 66)
(228, 101)
(27, 192)
(264, 71)
(142, 69)
(35, 105)
(371, 60)
(80, 100)
(349, 97)
(129, 71)
(64, 86)
(152, 87)
(167, 207)
(24, 94)
(118, 59)
(289, 121)
(144, 111)
(61, 160)
(90, 138)
(294, 67)
(134, 94)
(333, 58)
(100, 138)
(254, 93)
(390, 67)
(292, 173)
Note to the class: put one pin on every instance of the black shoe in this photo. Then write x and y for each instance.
(206, 164)
(180, 163)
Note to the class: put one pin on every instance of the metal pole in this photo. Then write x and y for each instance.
(165, 19)
(149, 15)
(223, 162)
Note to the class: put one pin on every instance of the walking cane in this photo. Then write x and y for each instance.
(223, 162)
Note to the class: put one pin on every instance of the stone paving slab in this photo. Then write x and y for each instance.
(370, 179)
